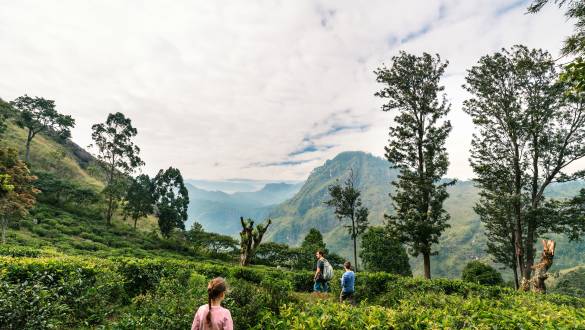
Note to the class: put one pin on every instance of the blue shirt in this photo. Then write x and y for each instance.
(348, 282)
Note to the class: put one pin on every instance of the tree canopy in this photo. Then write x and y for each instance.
(411, 87)
(171, 200)
(347, 204)
(382, 253)
(37, 115)
(117, 154)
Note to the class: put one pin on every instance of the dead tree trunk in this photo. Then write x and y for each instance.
(250, 238)
(540, 269)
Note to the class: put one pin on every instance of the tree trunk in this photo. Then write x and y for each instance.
(4, 225)
(27, 148)
(110, 209)
(354, 237)
(135, 220)
(516, 283)
(427, 264)
(540, 269)
(355, 253)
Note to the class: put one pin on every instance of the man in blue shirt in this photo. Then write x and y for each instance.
(347, 284)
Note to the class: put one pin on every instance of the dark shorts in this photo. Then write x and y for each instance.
(346, 296)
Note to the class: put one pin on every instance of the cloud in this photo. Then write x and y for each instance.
(214, 86)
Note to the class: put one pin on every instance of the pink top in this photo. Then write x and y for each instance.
(221, 319)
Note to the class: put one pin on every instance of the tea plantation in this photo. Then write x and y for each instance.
(43, 290)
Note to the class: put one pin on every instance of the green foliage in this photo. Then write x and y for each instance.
(18, 194)
(39, 115)
(570, 283)
(130, 293)
(139, 198)
(347, 204)
(171, 200)
(68, 195)
(6, 112)
(382, 253)
(117, 155)
(480, 273)
(417, 149)
(529, 132)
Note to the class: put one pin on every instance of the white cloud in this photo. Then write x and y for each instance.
(215, 86)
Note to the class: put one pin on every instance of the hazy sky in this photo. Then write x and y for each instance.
(259, 89)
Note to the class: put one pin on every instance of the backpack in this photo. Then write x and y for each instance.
(327, 270)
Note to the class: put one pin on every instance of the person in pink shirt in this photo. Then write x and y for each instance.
(212, 316)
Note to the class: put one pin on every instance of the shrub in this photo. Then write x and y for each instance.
(18, 251)
(480, 273)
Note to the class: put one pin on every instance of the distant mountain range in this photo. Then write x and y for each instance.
(220, 212)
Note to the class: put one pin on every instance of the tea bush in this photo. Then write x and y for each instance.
(144, 293)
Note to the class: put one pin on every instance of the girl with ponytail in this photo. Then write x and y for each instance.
(212, 316)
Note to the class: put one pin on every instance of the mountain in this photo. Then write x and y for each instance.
(220, 212)
(231, 186)
(462, 242)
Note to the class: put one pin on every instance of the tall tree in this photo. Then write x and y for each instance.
(250, 239)
(37, 115)
(530, 130)
(171, 200)
(382, 253)
(139, 198)
(417, 148)
(118, 155)
(347, 203)
(17, 193)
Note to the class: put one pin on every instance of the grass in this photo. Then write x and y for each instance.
(49, 155)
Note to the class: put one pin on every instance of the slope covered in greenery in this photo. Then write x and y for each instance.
(62, 158)
(462, 242)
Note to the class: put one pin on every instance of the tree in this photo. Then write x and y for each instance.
(139, 198)
(347, 203)
(480, 273)
(530, 130)
(417, 148)
(250, 239)
(118, 155)
(312, 242)
(573, 73)
(17, 193)
(6, 112)
(37, 115)
(171, 200)
(381, 253)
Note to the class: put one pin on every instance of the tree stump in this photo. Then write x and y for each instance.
(540, 269)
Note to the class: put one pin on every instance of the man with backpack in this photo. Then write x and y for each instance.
(323, 273)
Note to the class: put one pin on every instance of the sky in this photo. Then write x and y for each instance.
(255, 89)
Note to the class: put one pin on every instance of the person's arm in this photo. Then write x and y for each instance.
(318, 271)
(229, 323)
(196, 321)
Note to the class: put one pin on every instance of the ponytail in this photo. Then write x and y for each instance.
(208, 317)
(215, 288)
